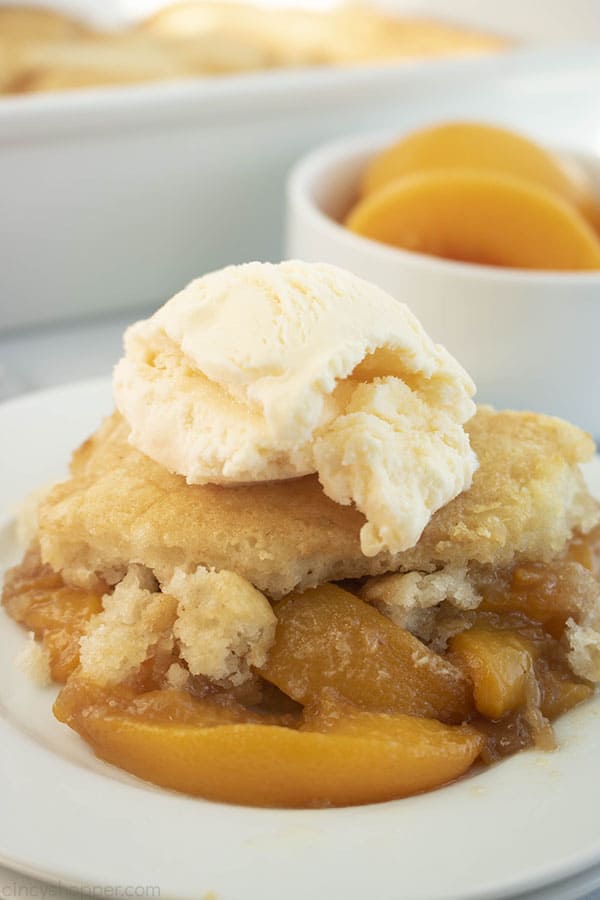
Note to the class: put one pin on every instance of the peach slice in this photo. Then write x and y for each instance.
(500, 664)
(327, 639)
(520, 666)
(360, 760)
(80, 698)
(478, 217)
(57, 614)
(477, 146)
(545, 594)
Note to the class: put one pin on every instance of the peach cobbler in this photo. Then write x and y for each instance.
(298, 567)
(43, 49)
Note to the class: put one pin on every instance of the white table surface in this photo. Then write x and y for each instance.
(34, 359)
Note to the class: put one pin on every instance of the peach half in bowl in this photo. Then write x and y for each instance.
(529, 337)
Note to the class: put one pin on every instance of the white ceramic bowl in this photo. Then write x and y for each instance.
(531, 340)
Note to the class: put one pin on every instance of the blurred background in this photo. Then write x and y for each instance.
(142, 146)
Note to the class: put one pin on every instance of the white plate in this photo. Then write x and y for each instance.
(68, 817)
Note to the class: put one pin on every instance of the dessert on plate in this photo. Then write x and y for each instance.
(297, 566)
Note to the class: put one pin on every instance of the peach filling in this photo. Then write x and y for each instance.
(476, 193)
(349, 708)
(57, 614)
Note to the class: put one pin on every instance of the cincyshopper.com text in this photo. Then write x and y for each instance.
(16, 891)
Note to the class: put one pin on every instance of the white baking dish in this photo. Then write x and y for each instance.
(115, 198)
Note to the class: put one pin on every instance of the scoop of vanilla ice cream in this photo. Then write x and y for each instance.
(262, 371)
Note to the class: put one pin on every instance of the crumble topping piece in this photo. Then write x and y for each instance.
(135, 619)
(583, 636)
(33, 661)
(177, 676)
(412, 601)
(584, 656)
(224, 625)
(26, 515)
